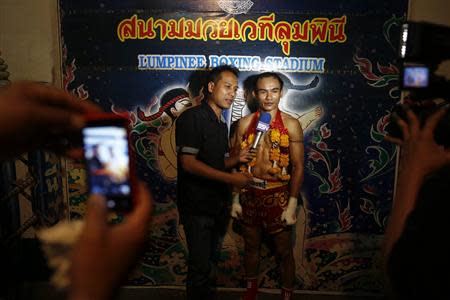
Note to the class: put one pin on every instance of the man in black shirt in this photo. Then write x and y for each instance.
(203, 190)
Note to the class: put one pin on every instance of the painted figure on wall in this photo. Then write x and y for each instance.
(172, 104)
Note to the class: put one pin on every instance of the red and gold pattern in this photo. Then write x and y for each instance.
(263, 207)
(279, 153)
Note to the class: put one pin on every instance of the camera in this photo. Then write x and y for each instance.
(423, 47)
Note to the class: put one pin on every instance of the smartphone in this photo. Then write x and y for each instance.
(109, 163)
(416, 77)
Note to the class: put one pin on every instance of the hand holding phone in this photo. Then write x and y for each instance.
(108, 159)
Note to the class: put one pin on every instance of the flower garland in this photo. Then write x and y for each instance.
(245, 144)
(278, 155)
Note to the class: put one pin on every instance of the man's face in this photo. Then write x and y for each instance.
(223, 92)
(268, 92)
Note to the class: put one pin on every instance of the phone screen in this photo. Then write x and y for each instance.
(107, 164)
(416, 77)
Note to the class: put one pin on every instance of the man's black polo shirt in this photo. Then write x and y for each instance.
(200, 133)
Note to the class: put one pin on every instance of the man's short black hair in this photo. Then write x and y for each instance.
(266, 75)
(215, 73)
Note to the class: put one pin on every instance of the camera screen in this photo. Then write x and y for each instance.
(415, 77)
(107, 161)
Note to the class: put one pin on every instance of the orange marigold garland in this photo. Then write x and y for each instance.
(278, 154)
(244, 145)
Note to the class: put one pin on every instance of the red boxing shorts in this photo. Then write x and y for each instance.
(263, 203)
